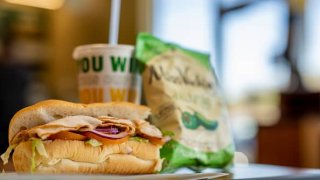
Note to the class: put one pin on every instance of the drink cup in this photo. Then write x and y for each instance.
(107, 73)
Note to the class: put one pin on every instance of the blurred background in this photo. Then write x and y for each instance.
(265, 53)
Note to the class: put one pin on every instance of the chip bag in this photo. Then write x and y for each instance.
(180, 87)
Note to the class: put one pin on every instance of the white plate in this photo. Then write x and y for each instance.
(13, 176)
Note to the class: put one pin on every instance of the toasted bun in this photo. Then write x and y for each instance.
(65, 156)
(49, 110)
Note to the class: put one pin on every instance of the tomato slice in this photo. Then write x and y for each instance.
(106, 140)
(66, 135)
(155, 140)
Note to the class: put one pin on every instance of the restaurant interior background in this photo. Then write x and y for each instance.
(265, 53)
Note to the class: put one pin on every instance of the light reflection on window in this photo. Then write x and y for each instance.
(188, 23)
(311, 63)
(253, 37)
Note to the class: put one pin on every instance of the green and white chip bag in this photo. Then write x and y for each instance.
(180, 87)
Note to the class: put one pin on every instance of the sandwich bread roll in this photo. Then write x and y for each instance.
(56, 136)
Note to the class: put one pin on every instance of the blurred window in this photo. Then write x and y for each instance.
(188, 23)
(311, 63)
(252, 37)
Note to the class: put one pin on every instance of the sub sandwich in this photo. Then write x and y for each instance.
(56, 136)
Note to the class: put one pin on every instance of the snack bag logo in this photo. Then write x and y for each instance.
(183, 76)
(195, 120)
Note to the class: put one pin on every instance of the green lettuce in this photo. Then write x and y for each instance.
(37, 147)
(93, 142)
(167, 133)
(139, 139)
(6, 155)
(33, 157)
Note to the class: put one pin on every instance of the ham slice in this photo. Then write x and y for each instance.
(69, 123)
(145, 128)
(104, 126)
(124, 126)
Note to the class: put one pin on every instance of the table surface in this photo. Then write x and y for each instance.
(263, 171)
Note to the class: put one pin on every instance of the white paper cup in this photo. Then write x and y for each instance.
(107, 73)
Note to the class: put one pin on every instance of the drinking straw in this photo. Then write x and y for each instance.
(114, 21)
